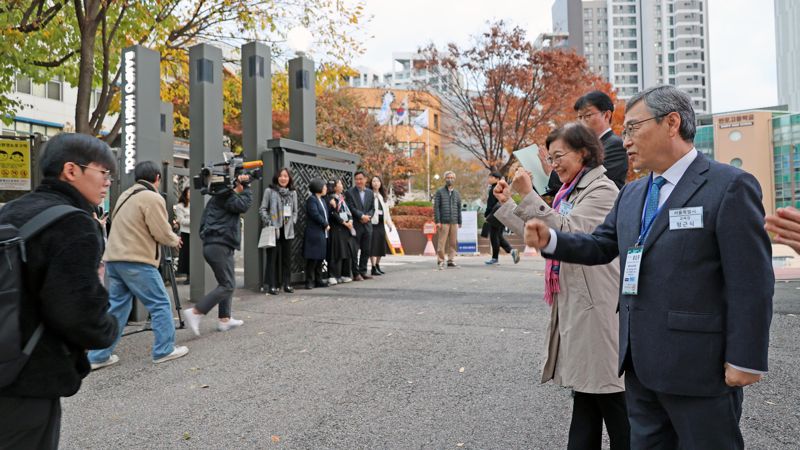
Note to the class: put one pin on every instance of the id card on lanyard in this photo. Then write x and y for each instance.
(635, 254)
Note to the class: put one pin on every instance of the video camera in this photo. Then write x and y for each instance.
(222, 177)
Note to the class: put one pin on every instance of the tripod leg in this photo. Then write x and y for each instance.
(176, 296)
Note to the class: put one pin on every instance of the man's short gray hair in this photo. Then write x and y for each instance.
(662, 100)
(449, 172)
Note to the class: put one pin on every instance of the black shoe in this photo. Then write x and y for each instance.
(309, 285)
(321, 284)
(376, 272)
(451, 264)
(186, 282)
(288, 289)
(272, 291)
(378, 267)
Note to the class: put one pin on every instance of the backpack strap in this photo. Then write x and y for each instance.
(30, 229)
(44, 219)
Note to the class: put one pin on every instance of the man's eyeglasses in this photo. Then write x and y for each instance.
(631, 127)
(583, 117)
(106, 173)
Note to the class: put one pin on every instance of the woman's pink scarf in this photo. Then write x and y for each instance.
(552, 266)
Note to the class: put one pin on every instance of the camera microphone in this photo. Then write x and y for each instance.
(252, 164)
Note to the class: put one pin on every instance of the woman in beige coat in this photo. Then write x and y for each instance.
(582, 345)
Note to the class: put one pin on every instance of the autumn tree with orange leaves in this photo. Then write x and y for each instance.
(343, 123)
(504, 94)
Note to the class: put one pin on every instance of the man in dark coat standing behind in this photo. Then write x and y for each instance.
(63, 290)
(361, 202)
(595, 110)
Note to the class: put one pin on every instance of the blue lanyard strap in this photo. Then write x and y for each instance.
(644, 229)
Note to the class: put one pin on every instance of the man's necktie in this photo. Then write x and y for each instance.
(652, 200)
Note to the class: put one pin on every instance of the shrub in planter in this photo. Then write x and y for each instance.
(404, 210)
(410, 222)
(416, 203)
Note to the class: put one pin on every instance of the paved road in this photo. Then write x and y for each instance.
(417, 359)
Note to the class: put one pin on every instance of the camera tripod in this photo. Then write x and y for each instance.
(166, 263)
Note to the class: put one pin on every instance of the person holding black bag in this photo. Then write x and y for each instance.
(279, 211)
(495, 228)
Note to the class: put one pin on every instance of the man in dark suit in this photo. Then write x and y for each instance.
(361, 202)
(595, 110)
(697, 280)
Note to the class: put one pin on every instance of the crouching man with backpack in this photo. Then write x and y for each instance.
(60, 301)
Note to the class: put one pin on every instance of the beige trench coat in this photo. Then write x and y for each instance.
(582, 344)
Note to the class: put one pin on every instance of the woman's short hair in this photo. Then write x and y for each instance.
(578, 137)
(290, 185)
(80, 149)
(316, 185)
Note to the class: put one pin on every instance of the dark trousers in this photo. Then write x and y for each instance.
(665, 421)
(183, 255)
(364, 237)
(30, 423)
(339, 268)
(589, 411)
(313, 270)
(279, 260)
(220, 258)
(498, 241)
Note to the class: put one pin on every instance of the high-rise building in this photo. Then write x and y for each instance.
(636, 44)
(787, 46)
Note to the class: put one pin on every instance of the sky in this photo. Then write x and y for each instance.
(742, 38)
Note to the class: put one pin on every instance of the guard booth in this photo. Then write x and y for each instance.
(306, 162)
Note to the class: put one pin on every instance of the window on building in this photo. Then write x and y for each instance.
(54, 89)
(435, 150)
(435, 121)
(24, 85)
(38, 90)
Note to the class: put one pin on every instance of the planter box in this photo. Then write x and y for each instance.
(413, 241)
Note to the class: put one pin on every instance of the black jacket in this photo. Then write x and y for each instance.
(220, 224)
(353, 199)
(64, 292)
(447, 206)
(615, 162)
(491, 201)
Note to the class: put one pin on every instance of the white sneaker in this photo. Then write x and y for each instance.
(332, 281)
(441, 265)
(192, 320)
(229, 325)
(177, 352)
(113, 359)
(346, 279)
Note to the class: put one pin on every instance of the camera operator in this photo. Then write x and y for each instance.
(220, 231)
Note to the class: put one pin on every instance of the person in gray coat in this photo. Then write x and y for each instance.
(279, 209)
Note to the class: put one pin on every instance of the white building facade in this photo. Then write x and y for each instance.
(47, 108)
(635, 44)
(787, 46)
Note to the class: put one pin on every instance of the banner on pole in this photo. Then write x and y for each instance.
(468, 233)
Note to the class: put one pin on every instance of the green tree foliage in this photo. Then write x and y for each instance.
(81, 40)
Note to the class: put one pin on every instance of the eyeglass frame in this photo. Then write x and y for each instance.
(106, 173)
(628, 130)
(550, 160)
(582, 117)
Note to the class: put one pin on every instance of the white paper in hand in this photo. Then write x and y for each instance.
(529, 158)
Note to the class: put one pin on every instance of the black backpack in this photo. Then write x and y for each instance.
(13, 355)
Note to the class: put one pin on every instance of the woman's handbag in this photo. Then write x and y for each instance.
(267, 238)
(486, 229)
